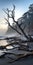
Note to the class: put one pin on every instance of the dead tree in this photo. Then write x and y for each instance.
(8, 20)
(13, 17)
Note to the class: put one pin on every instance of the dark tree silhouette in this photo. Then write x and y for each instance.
(13, 17)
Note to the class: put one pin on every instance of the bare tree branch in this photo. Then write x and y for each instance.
(17, 23)
(7, 12)
(21, 29)
(13, 27)
(12, 16)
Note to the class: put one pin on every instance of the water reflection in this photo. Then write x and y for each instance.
(9, 47)
(3, 42)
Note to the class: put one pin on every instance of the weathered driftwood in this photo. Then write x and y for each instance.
(18, 39)
(19, 56)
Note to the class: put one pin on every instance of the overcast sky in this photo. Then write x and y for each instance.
(21, 6)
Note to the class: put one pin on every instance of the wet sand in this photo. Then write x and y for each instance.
(23, 61)
(27, 60)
